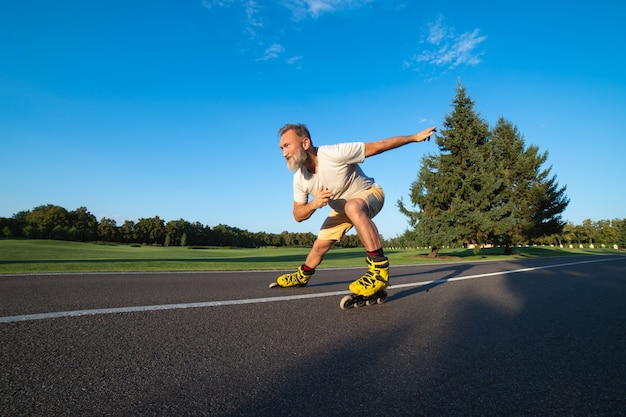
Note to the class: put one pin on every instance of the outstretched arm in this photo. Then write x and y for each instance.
(380, 146)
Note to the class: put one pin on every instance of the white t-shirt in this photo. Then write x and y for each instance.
(338, 171)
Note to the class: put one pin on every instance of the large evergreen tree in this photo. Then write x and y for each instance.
(535, 198)
(458, 192)
(483, 187)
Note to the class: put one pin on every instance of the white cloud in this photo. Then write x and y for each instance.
(313, 8)
(436, 32)
(209, 4)
(272, 52)
(299, 9)
(252, 13)
(426, 121)
(294, 59)
(256, 20)
(444, 50)
(252, 21)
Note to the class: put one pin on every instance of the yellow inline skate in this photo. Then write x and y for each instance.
(370, 288)
(296, 279)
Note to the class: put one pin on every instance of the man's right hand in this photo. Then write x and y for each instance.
(321, 198)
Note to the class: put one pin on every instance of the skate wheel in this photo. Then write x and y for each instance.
(274, 285)
(360, 303)
(382, 297)
(371, 301)
(346, 302)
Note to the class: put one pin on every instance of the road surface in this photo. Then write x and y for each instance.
(533, 337)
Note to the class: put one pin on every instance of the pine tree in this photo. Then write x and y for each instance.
(485, 186)
(535, 199)
(458, 192)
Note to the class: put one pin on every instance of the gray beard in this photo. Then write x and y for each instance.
(297, 161)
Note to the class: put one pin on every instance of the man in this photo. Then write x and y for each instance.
(332, 176)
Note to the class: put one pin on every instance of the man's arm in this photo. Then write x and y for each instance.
(303, 211)
(380, 146)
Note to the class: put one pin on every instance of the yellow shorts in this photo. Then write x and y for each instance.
(338, 224)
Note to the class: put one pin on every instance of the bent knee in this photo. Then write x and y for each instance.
(356, 207)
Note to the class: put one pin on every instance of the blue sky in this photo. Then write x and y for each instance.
(140, 109)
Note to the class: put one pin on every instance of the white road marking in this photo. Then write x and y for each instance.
(492, 274)
(115, 310)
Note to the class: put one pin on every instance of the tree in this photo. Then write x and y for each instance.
(198, 234)
(547, 203)
(589, 231)
(569, 233)
(533, 199)
(620, 226)
(175, 230)
(485, 186)
(108, 230)
(83, 225)
(127, 231)
(609, 233)
(458, 192)
(48, 222)
(150, 230)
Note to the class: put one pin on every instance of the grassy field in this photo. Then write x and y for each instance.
(49, 256)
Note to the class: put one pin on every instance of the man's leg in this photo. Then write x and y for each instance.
(301, 277)
(357, 211)
(376, 278)
(317, 252)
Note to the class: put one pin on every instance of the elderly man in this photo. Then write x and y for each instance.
(332, 175)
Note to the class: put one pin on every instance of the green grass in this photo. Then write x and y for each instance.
(48, 256)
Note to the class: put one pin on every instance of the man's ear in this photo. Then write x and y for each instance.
(306, 144)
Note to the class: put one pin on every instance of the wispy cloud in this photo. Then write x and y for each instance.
(252, 22)
(253, 19)
(426, 121)
(209, 4)
(301, 9)
(277, 51)
(294, 59)
(442, 49)
(272, 52)
(258, 30)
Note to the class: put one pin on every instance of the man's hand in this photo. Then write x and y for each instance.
(380, 146)
(321, 198)
(425, 134)
(303, 211)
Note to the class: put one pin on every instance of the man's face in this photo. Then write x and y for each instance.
(293, 150)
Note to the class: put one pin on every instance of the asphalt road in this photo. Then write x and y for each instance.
(536, 337)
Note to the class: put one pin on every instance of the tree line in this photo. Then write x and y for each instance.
(55, 222)
(590, 232)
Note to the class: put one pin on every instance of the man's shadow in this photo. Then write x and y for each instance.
(452, 272)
